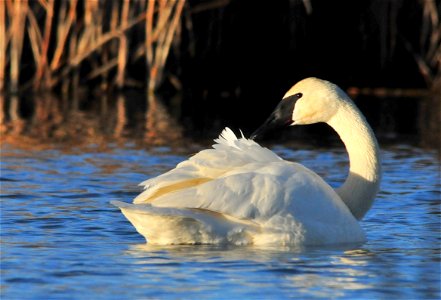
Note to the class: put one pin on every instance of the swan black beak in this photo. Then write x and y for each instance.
(281, 116)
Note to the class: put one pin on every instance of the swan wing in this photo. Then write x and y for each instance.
(286, 201)
(260, 191)
(242, 182)
(229, 153)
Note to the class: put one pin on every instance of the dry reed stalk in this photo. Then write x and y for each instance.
(91, 8)
(168, 16)
(63, 31)
(148, 33)
(87, 37)
(89, 33)
(103, 69)
(114, 27)
(209, 5)
(431, 30)
(3, 46)
(123, 46)
(62, 40)
(43, 67)
(164, 13)
(83, 53)
(82, 46)
(34, 37)
(109, 51)
(18, 15)
(73, 79)
(171, 32)
(433, 53)
(428, 58)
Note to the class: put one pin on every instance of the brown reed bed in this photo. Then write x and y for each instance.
(64, 41)
(65, 36)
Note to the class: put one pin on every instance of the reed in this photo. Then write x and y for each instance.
(426, 53)
(65, 41)
(159, 36)
(3, 43)
(17, 13)
(123, 46)
(78, 35)
(429, 57)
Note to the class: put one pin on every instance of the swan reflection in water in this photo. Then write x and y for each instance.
(320, 271)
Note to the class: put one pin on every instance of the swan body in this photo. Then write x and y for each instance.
(241, 193)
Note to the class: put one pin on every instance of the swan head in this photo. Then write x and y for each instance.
(309, 101)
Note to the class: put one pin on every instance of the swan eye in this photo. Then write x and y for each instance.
(294, 97)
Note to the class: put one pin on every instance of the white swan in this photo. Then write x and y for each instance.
(241, 193)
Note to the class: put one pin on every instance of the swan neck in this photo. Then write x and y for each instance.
(362, 184)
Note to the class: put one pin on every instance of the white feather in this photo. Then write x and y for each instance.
(229, 153)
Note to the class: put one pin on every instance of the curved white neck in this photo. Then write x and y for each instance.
(362, 184)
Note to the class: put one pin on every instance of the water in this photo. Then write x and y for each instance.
(61, 238)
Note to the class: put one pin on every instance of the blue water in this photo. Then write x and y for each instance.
(61, 239)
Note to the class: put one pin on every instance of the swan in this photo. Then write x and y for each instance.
(241, 193)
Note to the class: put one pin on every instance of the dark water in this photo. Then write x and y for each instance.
(60, 237)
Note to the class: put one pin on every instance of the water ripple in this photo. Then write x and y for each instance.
(60, 237)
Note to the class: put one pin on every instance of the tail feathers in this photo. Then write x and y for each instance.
(229, 138)
(168, 226)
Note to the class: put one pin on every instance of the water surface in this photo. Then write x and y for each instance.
(60, 237)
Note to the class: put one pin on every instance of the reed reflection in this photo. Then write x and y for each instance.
(10, 120)
(77, 120)
(121, 116)
(160, 126)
